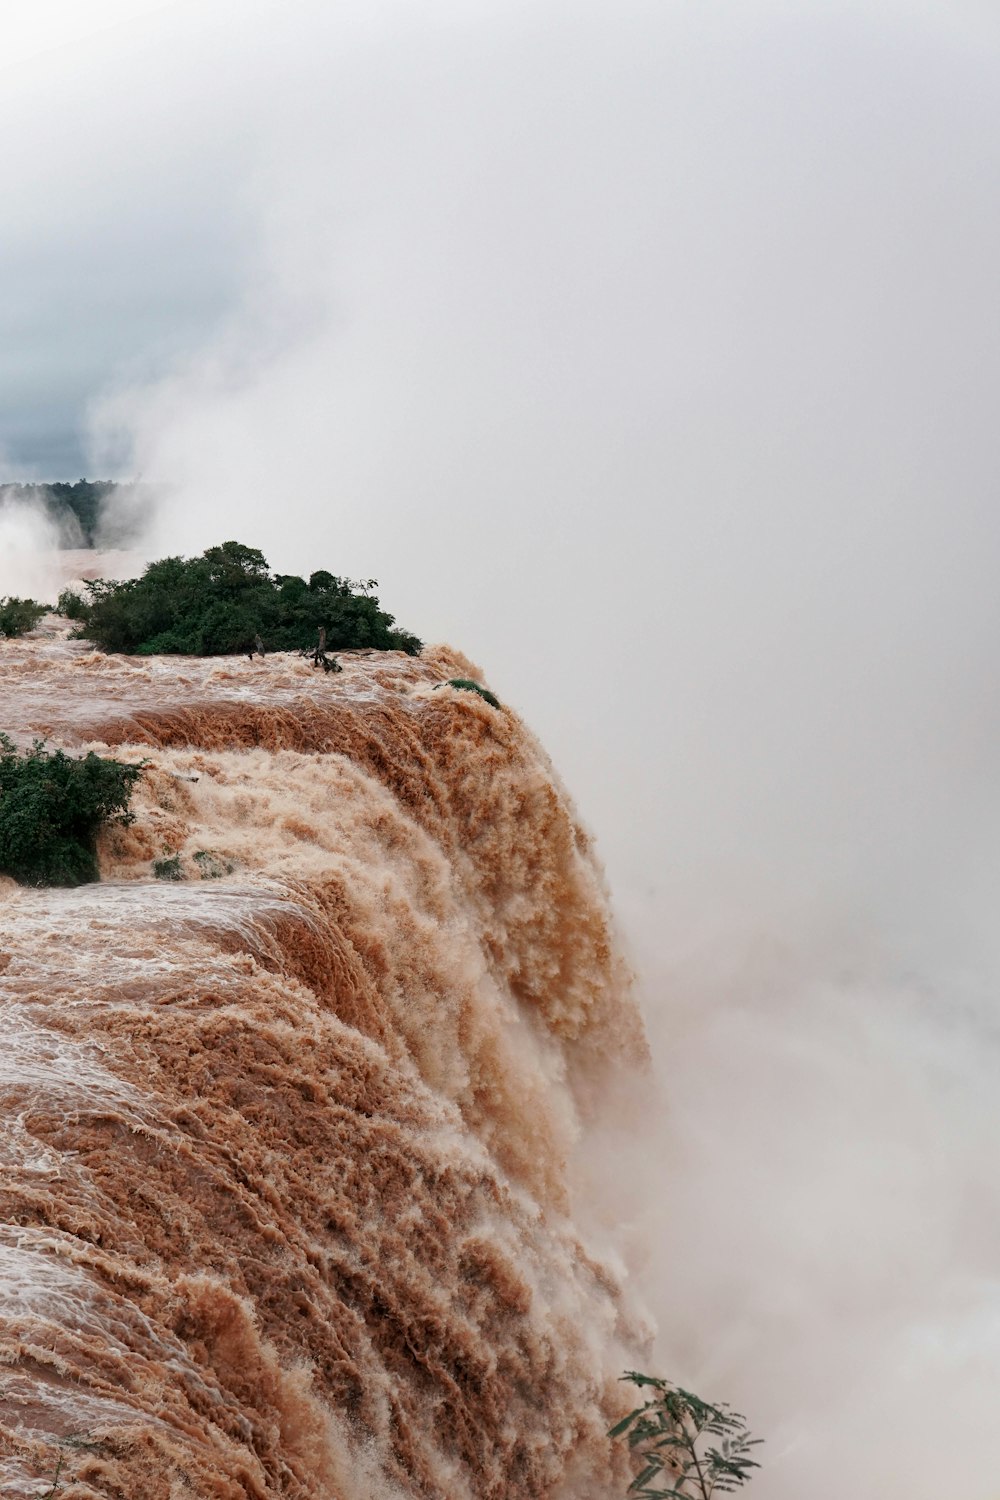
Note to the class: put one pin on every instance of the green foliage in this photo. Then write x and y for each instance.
(51, 808)
(216, 604)
(168, 868)
(467, 684)
(70, 604)
(20, 615)
(671, 1438)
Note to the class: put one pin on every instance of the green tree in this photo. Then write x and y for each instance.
(20, 615)
(51, 808)
(685, 1448)
(216, 604)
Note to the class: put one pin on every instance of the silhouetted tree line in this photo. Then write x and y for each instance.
(82, 500)
(224, 601)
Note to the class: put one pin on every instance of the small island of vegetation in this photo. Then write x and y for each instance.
(226, 600)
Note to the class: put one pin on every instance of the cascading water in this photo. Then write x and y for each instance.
(285, 1200)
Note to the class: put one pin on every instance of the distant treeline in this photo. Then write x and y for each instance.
(63, 502)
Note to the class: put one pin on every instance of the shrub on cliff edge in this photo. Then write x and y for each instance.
(220, 602)
(51, 808)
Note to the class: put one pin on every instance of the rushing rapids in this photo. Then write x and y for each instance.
(284, 1137)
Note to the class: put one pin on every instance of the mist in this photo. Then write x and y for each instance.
(29, 541)
(649, 359)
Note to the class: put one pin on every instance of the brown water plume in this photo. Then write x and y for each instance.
(285, 1200)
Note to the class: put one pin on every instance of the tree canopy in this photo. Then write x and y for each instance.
(218, 603)
(51, 808)
(18, 616)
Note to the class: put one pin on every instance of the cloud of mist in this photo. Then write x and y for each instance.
(651, 359)
(828, 1238)
(29, 540)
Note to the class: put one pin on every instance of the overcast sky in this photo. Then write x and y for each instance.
(649, 353)
(805, 181)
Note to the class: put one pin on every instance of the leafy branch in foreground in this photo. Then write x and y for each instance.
(688, 1449)
(51, 808)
